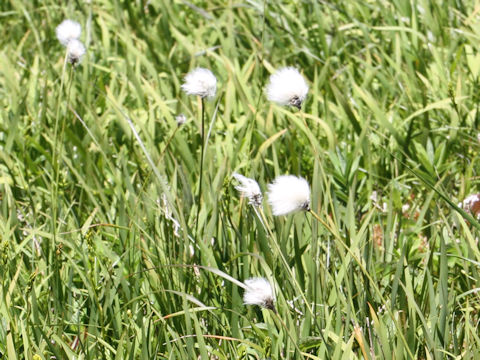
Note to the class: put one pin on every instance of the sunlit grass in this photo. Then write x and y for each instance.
(108, 251)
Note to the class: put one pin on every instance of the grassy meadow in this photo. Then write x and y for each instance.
(108, 252)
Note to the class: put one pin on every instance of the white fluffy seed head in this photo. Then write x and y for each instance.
(200, 82)
(287, 194)
(471, 204)
(259, 292)
(287, 87)
(68, 30)
(75, 51)
(181, 119)
(249, 188)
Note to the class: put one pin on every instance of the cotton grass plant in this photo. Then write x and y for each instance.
(95, 252)
(259, 292)
(68, 34)
(249, 189)
(67, 31)
(200, 82)
(288, 194)
(287, 87)
(75, 51)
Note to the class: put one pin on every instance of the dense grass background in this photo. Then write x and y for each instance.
(95, 175)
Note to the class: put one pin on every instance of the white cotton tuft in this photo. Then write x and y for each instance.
(287, 87)
(181, 119)
(68, 30)
(249, 188)
(200, 82)
(471, 204)
(75, 51)
(259, 292)
(289, 194)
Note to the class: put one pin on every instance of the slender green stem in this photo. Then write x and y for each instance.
(55, 165)
(62, 131)
(162, 154)
(321, 221)
(199, 195)
(256, 210)
(315, 258)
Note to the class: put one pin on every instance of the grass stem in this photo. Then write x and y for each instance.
(200, 181)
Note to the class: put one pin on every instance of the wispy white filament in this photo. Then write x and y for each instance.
(287, 87)
(249, 188)
(287, 194)
(68, 30)
(75, 51)
(259, 292)
(200, 82)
